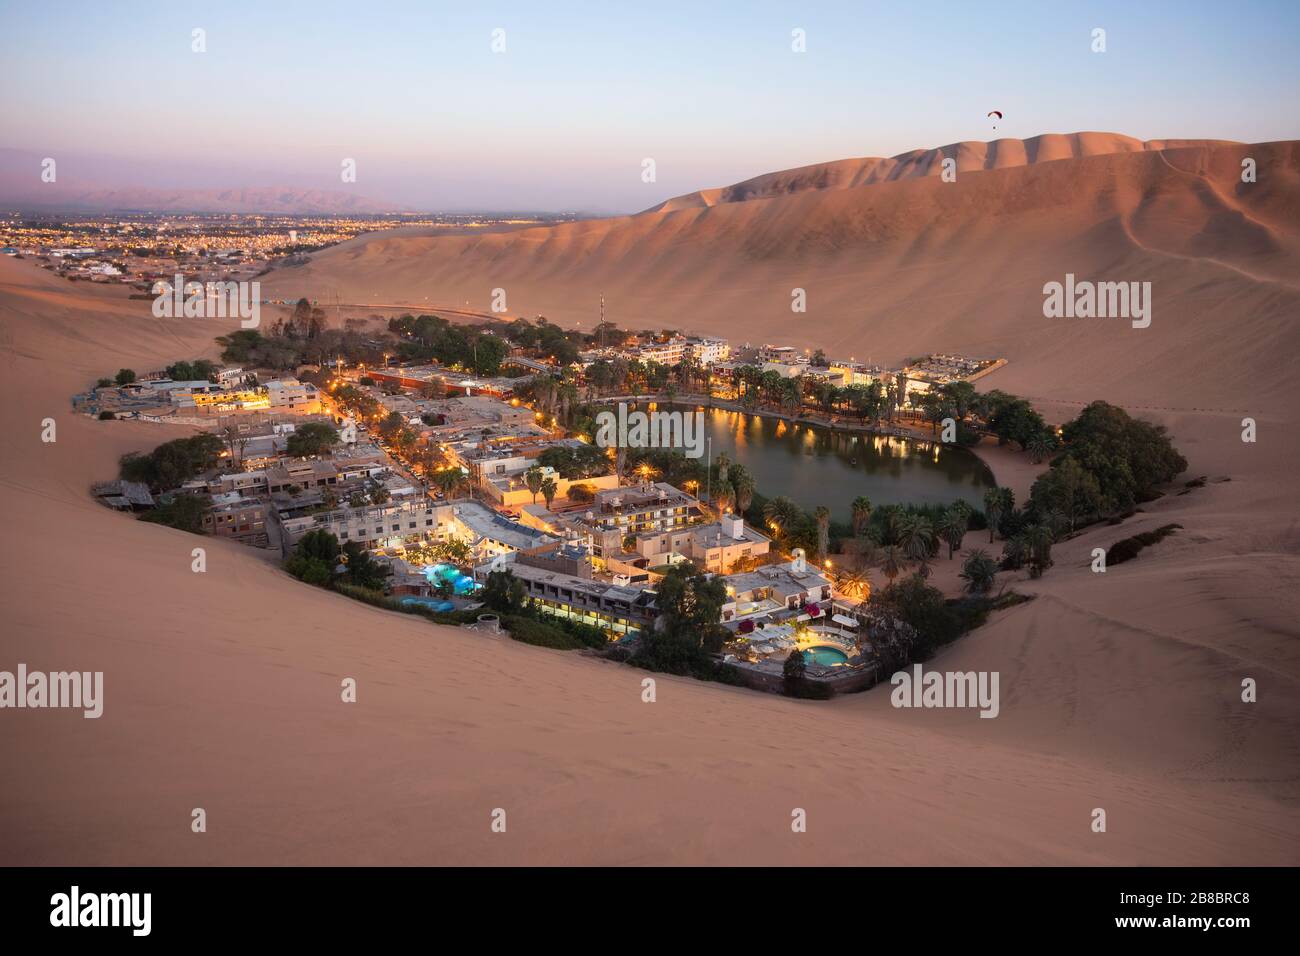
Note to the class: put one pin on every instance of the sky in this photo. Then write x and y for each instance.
(583, 93)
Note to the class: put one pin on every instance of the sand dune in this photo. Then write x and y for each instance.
(1118, 691)
(222, 691)
(970, 157)
(914, 265)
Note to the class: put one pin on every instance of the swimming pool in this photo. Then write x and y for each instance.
(824, 654)
(460, 582)
(434, 604)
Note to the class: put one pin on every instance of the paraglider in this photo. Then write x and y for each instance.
(998, 114)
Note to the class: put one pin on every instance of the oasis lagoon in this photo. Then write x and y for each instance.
(813, 465)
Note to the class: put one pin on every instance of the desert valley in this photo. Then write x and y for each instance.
(1120, 690)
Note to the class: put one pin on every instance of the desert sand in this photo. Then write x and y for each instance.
(1119, 691)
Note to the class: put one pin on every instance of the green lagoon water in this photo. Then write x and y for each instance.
(815, 466)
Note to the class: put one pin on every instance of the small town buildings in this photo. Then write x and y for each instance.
(616, 513)
(707, 350)
(776, 593)
(716, 547)
(490, 534)
(123, 495)
(290, 396)
(242, 520)
(560, 582)
(388, 525)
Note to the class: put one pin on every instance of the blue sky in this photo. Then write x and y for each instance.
(584, 91)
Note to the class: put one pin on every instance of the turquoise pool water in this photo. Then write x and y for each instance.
(460, 582)
(824, 654)
(435, 604)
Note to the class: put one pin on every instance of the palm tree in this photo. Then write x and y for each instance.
(781, 513)
(533, 478)
(1008, 500)
(723, 464)
(892, 559)
(455, 552)
(998, 503)
(853, 585)
(1014, 553)
(447, 479)
(791, 401)
(953, 527)
(823, 517)
(1038, 541)
(861, 515)
(893, 519)
(722, 499)
(916, 537)
(548, 489)
(743, 482)
(1041, 445)
(978, 571)
(992, 509)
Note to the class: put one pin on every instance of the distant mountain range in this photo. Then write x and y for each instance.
(281, 200)
(87, 184)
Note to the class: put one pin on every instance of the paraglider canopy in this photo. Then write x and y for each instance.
(997, 113)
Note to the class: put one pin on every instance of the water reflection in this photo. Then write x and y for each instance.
(815, 466)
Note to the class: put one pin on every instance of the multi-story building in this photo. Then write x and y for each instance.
(779, 353)
(288, 395)
(376, 526)
(301, 473)
(665, 353)
(419, 520)
(243, 520)
(707, 350)
(716, 547)
(775, 593)
(489, 534)
(560, 582)
(618, 512)
(855, 373)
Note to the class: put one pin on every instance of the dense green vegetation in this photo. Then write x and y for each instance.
(1110, 462)
(796, 683)
(182, 512)
(504, 593)
(550, 341)
(584, 461)
(1126, 549)
(932, 620)
(687, 631)
(196, 371)
(317, 559)
(302, 338)
(173, 463)
(430, 337)
(313, 438)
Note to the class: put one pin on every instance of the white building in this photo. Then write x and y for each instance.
(706, 350)
(291, 395)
